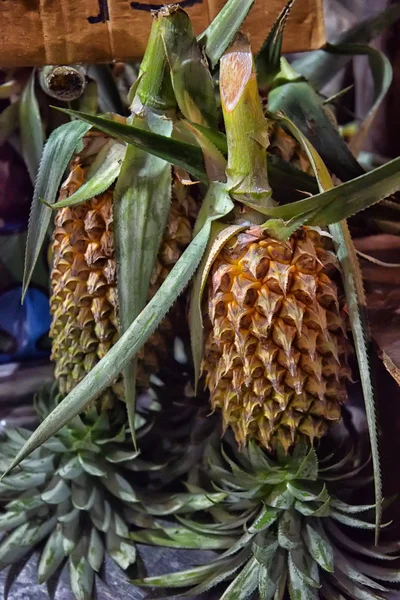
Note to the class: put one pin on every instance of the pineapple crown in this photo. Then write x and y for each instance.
(76, 492)
(283, 528)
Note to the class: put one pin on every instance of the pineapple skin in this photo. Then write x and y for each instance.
(276, 349)
(84, 296)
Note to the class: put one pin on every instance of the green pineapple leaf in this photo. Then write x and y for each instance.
(303, 106)
(357, 307)
(174, 537)
(318, 545)
(342, 201)
(217, 138)
(382, 74)
(221, 31)
(96, 550)
(81, 574)
(285, 179)
(268, 59)
(30, 125)
(214, 160)
(182, 154)
(348, 568)
(141, 206)
(289, 528)
(121, 550)
(265, 519)
(56, 156)
(182, 503)
(379, 186)
(51, 557)
(357, 547)
(320, 66)
(267, 580)
(225, 571)
(245, 583)
(303, 563)
(180, 578)
(299, 589)
(102, 174)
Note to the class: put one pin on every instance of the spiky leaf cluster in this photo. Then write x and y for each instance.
(76, 492)
(283, 529)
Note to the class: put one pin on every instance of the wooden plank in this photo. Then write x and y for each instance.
(304, 30)
(37, 32)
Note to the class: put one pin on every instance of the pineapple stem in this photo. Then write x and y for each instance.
(191, 78)
(154, 86)
(246, 127)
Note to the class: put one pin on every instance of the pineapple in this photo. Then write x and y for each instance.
(275, 355)
(276, 351)
(84, 301)
(284, 526)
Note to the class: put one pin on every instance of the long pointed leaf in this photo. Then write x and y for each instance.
(56, 156)
(244, 584)
(302, 105)
(30, 124)
(101, 177)
(225, 571)
(51, 557)
(357, 307)
(180, 578)
(319, 67)
(141, 206)
(345, 199)
(269, 56)
(382, 74)
(182, 154)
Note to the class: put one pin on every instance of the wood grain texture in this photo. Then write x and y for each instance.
(37, 32)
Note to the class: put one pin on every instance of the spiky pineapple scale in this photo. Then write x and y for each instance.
(84, 297)
(276, 352)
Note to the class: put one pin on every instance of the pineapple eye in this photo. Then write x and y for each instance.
(307, 264)
(228, 336)
(262, 268)
(245, 322)
(225, 283)
(250, 297)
